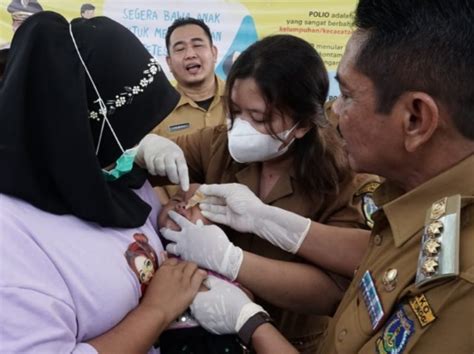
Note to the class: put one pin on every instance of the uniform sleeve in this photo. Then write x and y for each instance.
(354, 204)
(197, 149)
(37, 315)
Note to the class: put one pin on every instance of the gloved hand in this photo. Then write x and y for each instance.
(206, 245)
(161, 156)
(224, 308)
(235, 205)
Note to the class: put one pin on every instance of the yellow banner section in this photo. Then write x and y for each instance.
(327, 25)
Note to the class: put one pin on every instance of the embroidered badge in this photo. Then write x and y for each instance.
(368, 205)
(142, 259)
(422, 309)
(371, 299)
(178, 127)
(397, 331)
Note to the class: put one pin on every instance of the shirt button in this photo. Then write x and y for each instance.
(341, 335)
(377, 240)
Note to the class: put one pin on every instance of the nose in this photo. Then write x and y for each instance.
(180, 208)
(190, 52)
(336, 105)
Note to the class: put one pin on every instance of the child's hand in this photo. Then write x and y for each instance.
(173, 288)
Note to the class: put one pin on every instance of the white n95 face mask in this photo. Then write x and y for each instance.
(246, 144)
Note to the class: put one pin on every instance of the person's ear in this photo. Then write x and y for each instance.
(168, 61)
(300, 132)
(214, 53)
(420, 118)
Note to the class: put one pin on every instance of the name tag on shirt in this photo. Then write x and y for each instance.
(178, 127)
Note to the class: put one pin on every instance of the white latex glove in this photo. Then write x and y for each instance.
(206, 245)
(161, 156)
(235, 205)
(224, 308)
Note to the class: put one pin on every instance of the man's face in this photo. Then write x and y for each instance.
(371, 139)
(88, 14)
(178, 203)
(191, 56)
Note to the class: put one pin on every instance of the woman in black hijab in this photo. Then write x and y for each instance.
(79, 265)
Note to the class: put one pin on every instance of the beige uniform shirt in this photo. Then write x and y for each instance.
(188, 117)
(209, 161)
(434, 317)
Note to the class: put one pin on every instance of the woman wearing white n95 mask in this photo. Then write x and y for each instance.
(280, 145)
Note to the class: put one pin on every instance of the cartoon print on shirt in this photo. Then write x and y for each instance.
(142, 259)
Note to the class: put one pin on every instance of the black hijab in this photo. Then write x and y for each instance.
(47, 138)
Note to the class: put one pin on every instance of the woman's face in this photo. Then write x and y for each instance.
(248, 103)
(178, 203)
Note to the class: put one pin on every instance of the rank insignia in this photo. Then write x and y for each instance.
(438, 209)
(429, 266)
(371, 299)
(395, 336)
(434, 229)
(422, 309)
(439, 251)
(431, 247)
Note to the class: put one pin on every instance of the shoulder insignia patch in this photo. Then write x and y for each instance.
(396, 333)
(368, 205)
(422, 309)
(439, 251)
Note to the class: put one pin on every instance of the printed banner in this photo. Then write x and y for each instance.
(326, 24)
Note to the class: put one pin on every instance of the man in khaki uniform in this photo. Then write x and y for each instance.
(413, 292)
(191, 59)
(405, 113)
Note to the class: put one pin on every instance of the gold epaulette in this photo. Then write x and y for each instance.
(369, 187)
(439, 252)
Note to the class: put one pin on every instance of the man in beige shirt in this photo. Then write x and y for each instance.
(191, 58)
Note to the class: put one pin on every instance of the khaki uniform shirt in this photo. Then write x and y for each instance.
(188, 117)
(434, 317)
(209, 161)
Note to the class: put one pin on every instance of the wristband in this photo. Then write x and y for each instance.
(247, 330)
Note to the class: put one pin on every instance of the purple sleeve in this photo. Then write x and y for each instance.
(34, 322)
(37, 314)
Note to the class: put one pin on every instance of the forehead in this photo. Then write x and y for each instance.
(187, 33)
(247, 92)
(347, 73)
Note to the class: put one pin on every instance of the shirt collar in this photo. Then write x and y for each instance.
(406, 212)
(187, 100)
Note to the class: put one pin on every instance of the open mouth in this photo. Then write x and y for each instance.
(193, 68)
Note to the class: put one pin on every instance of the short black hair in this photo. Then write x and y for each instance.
(87, 7)
(420, 45)
(183, 21)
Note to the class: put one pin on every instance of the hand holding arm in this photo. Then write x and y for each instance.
(207, 245)
(226, 309)
(236, 206)
(161, 156)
